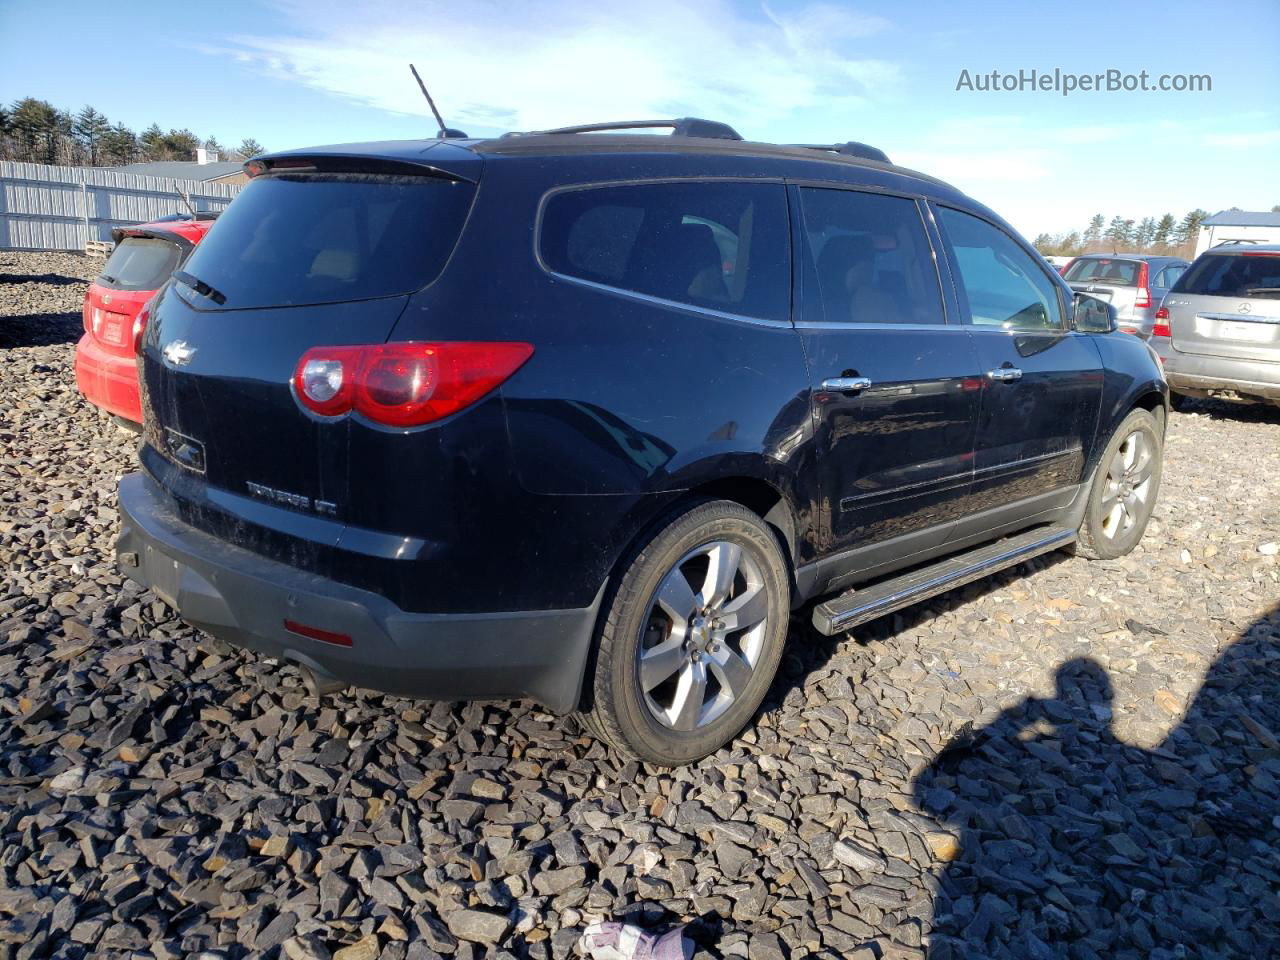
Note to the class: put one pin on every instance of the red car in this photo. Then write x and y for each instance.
(142, 261)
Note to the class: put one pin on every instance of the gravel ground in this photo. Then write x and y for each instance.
(1072, 759)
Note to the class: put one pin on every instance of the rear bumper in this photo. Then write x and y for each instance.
(108, 380)
(1197, 373)
(245, 599)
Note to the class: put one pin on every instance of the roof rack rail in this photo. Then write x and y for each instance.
(680, 127)
(851, 149)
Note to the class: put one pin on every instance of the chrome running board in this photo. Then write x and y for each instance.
(857, 606)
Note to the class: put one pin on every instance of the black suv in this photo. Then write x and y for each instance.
(583, 416)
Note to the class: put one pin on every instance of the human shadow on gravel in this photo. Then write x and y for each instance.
(41, 330)
(1075, 844)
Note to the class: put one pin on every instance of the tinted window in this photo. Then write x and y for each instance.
(1168, 276)
(1233, 275)
(1116, 273)
(717, 245)
(1004, 286)
(298, 239)
(140, 263)
(871, 257)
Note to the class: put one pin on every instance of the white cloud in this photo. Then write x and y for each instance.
(1244, 141)
(524, 66)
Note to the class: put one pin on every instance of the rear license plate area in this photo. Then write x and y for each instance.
(1243, 331)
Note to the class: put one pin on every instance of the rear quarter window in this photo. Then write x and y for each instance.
(291, 240)
(140, 263)
(718, 245)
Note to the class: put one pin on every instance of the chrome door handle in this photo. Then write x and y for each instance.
(1004, 374)
(846, 384)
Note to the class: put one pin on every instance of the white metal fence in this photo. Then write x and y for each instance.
(46, 207)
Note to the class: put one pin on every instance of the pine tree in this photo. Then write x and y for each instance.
(250, 148)
(1070, 244)
(1119, 233)
(180, 145)
(90, 127)
(1043, 243)
(215, 148)
(119, 145)
(1189, 229)
(1094, 231)
(35, 125)
(1164, 231)
(152, 141)
(1146, 231)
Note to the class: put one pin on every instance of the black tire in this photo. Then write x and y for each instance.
(1104, 533)
(1177, 401)
(626, 716)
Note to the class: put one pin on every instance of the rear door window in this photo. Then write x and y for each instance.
(1115, 273)
(871, 258)
(140, 263)
(288, 240)
(1233, 275)
(718, 245)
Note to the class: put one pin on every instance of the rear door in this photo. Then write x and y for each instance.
(1042, 382)
(1228, 305)
(298, 260)
(894, 386)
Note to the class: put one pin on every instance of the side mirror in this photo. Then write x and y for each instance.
(1091, 315)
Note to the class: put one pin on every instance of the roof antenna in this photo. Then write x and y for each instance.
(187, 200)
(445, 133)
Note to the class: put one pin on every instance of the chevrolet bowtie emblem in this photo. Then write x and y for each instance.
(178, 353)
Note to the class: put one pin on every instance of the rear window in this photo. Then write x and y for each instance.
(1233, 275)
(719, 245)
(1116, 273)
(326, 238)
(140, 263)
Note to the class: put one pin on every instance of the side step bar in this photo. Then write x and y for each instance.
(857, 606)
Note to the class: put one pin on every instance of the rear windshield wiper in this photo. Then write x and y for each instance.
(200, 287)
(107, 277)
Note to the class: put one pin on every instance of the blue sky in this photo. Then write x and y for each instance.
(296, 72)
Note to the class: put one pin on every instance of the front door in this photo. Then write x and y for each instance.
(1042, 381)
(895, 390)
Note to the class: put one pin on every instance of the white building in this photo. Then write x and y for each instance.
(1238, 225)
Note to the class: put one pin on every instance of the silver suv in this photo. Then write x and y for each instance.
(1133, 283)
(1218, 330)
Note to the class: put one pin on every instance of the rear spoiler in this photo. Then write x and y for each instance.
(119, 233)
(349, 163)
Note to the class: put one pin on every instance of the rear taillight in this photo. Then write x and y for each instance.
(1161, 327)
(1144, 290)
(140, 326)
(403, 384)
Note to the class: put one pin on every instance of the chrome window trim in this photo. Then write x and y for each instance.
(673, 304)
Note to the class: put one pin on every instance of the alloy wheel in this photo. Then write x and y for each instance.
(1127, 492)
(704, 635)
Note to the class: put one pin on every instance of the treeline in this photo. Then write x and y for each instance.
(1163, 235)
(36, 131)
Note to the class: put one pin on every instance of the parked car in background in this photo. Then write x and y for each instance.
(144, 257)
(1218, 330)
(1133, 283)
(717, 379)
